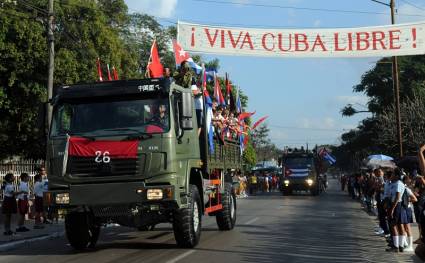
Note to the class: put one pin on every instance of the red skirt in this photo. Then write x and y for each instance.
(9, 205)
(38, 203)
(23, 206)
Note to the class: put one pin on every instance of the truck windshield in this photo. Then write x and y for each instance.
(298, 162)
(142, 115)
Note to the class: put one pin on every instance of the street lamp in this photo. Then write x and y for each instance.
(396, 83)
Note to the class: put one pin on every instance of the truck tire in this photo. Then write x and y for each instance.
(188, 221)
(286, 191)
(226, 218)
(77, 230)
(314, 191)
(94, 236)
(80, 231)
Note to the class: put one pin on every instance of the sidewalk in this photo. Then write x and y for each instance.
(401, 257)
(49, 231)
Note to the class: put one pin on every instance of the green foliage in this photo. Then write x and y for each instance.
(377, 133)
(249, 156)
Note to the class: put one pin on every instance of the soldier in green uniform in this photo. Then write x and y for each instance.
(184, 76)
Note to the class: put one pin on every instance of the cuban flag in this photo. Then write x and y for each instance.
(181, 55)
(208, 105)
(327, 156)
(238, 102)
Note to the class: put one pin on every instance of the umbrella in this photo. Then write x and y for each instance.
(409, 163)
(375, 163)
(381, 157)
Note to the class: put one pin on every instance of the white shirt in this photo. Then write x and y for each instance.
(39, 189)
(23, 187)
(409, 194)
(397, 187)
(9, 189)
(198, 99)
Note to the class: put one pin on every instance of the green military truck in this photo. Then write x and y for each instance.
(128, 152)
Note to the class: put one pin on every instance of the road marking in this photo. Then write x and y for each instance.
(181, 256)
(251, 221)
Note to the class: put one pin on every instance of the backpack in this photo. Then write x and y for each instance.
(405, 199)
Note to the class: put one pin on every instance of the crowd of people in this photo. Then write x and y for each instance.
(255, 182)
(398, 197)
(19, 196)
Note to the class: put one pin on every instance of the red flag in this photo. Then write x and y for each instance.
(179, 54)
(99, 70)
(109, 72)
(115, 73)
(245, 115)
(155, 68)
(259, 121)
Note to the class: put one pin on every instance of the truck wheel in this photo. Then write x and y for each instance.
(77, 230)
(226, 218)
(188, 221)
(286, 191)
(314, 191)
(94, 236)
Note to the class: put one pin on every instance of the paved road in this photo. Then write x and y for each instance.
(271, 228)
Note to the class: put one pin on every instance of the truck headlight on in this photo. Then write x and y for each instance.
(310, 182)
(154, 194)
(286, 182)
(62, 198)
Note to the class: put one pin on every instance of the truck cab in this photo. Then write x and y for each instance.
(128, 152)
(300, 173)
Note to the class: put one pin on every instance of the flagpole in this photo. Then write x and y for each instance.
(204, 131)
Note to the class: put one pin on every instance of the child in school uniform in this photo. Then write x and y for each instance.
(23, 192)
(38, 200)
(9, 205)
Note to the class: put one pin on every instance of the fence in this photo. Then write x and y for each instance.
(18, 167)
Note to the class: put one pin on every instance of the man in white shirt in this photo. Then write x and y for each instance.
(199, 106)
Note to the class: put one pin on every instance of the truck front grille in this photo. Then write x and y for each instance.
(88, 167)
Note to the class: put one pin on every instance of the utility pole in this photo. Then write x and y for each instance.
(396, 84)
(51, 46)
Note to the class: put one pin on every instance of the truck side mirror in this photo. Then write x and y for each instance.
(187, 111)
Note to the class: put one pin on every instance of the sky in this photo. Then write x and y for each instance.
(302, 97)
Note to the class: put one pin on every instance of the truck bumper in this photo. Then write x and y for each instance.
(111, 194)
(297, 184)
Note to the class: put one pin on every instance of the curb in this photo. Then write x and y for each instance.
(15, 244)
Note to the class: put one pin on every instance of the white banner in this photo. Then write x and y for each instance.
(380, 41)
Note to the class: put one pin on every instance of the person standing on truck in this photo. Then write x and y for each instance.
(199, 105)
(184, 76)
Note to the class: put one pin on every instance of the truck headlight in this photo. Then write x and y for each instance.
(286, 182)
(310, 182)
(62, 198)
(154, 194)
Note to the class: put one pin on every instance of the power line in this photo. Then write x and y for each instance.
(304, 128)
(301, 8)
(411, 4)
